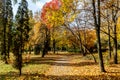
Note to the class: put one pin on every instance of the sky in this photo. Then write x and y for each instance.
(32, 6)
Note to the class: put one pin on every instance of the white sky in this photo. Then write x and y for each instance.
(32, 6)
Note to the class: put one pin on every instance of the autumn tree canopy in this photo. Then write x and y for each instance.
(56, 12)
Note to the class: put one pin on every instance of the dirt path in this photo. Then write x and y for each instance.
(75, 68)
(60, 67)
(67, 66)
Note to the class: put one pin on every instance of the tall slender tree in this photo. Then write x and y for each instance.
(109, 37)
(7, 26)
(97, 23)
(4, 21)
(115, 18)
(22, 30)
(1, 26)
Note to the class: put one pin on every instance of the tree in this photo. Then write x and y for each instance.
(1, 25)
(4, 21)
(97, 23)
(9, 25)
(21, 35)
(16, 1)
(7, 29)
(115, 18)
(46, 41)
(58, 12)
(106, 23)
(109, 38)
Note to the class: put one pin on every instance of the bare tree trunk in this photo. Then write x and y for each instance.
(115, 45)
(109, 42)
(54, 46)
(114, 18)
(97, 22)
(115, 49)
(99, 50)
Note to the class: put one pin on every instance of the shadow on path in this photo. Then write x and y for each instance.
(64, 77)
(63, 60)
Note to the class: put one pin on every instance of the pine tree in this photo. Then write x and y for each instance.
(22, 30)
(9, 25)
(4, 21)
(1, 26)
(7, 16)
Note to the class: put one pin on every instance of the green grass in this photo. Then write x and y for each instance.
(7, 72)
(6, 68)
(35, 68)
(29, 71)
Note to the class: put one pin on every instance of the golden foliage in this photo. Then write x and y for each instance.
(66, 12)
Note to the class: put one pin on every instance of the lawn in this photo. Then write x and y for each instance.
(29, 71)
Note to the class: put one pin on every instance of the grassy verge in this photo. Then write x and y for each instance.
(29, 71)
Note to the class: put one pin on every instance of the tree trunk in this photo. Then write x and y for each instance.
(54, 46)
(44, 52)
(46, 42)
(20, 64)
(9, 42)
(98, 41)
(114, 18)
(45, 49)
(4, 41)
(99, 50)
(30, 50)
(8, 51)
(81, 48)
(109, 42)
(115, 46)
(97, 22)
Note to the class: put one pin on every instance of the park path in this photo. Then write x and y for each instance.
(59, 68)
(74, 67)
(63, 66)
(71, 67)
